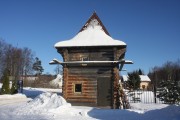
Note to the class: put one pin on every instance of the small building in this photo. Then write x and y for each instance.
(145, 81)
(91, 63)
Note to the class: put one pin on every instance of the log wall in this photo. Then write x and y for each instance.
(88, 75)
(93, 54)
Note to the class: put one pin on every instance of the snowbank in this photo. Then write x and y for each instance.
(57, 82)
(44, 102)
(48, 101)
(0, 85)
(34, 92)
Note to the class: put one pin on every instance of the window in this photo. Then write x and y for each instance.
(143, 86)
(78, 88)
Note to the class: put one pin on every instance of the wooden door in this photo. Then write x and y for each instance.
(104, 91)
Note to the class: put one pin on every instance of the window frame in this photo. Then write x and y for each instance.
(75, 90)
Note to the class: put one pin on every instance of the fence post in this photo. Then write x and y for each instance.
(155, 93)
(155, 88)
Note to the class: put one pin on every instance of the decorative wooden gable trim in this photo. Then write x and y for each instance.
(94, 16)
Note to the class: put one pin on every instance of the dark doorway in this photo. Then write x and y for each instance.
(104, 91)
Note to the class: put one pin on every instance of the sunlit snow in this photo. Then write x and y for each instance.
(93, 35)
(52, 106)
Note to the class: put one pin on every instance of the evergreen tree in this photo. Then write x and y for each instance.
(133, 81)
(5, 87)
(37, 66)
(14, 87)
(170, 92)
(140, 72)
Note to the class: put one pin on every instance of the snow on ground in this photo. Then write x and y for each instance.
(51, 106)
(10, 99)
(57, 82)
(34, 92)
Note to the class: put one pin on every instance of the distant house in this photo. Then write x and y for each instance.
(145, 81)
(91, 65)
(37, 81)
(29, 78)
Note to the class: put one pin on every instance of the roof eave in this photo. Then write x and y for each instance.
(57, 47)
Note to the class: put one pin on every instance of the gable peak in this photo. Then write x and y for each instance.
(94, 21)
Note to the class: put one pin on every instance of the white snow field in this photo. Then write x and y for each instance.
(51, 106)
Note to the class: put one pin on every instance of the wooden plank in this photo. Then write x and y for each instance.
(81, 97)
(95, 89)
(100, 55)
(82, 100)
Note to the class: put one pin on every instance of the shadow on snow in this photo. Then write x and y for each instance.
(168, 113)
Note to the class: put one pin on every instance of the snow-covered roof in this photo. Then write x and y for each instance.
(91, 35)
(124, 77)
(142, 77)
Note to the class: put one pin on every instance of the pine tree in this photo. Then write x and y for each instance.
(133, 81)
(140, 72)
(5, 87)
(14, 88)
(170, 92)
(38, 67)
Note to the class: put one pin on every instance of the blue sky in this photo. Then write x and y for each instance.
(150, 28)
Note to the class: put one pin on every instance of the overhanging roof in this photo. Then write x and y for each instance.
(93, 33)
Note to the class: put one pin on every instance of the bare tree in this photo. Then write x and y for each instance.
(168, 71)
(18, 61)
(27, 62)
(58, 69)
(2, 56)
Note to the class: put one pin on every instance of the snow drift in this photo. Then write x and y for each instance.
(57, 82)
(48, 101)
(45, 102)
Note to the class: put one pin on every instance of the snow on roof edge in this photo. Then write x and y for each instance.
(142, 77)
(93, 35)
(88, 46)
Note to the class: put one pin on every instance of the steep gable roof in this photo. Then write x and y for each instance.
(93, 33)
(95, 17)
